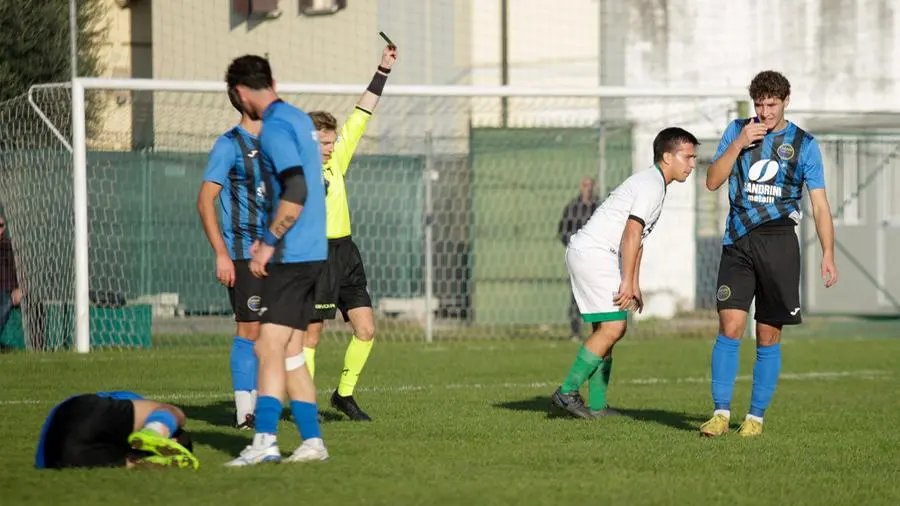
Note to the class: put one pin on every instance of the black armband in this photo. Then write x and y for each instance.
(637, 219)
(293, 186)
(377, 84)
(384, 69)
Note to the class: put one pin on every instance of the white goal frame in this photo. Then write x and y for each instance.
(78, 146)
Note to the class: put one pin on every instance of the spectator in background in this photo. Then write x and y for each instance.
(575, 215)
(10, 294)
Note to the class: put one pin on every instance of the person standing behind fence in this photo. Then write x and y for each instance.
(10, 293)
(574, 216)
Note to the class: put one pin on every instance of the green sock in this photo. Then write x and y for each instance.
(585, 365)
(597, 385)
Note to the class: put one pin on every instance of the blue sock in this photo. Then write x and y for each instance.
(765, 377)
(306, 417)
(163, 417)
(243, 365)
(268, 411)
(724, 370)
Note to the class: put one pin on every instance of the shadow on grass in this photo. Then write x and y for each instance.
(673, 419)
(221, 414)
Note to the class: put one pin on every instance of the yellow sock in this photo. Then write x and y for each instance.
(310, 354)
(354, 361)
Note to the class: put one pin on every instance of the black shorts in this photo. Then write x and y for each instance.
(246, 294)
(89, 431)
(764, 264)
(342, 283)
(288, 293)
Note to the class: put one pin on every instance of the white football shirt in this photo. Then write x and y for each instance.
(640, 196)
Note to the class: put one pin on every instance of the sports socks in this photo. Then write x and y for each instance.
(585, 364)
(724, 368)
(244, 365)
(598, 383)
(354, 361)
(310, 354)
(306, 419)
(765, 377)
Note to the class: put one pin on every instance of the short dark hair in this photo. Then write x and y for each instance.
(769, 84)
(251, 71)
(668, 140)
(323, 120)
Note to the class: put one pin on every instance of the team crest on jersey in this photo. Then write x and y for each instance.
(723, 293)
(785, 152)
(253, 303)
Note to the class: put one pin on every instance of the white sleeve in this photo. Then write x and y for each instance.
(646, 201)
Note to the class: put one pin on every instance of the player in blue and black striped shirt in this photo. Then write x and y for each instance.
(767, 161)
(235, 178)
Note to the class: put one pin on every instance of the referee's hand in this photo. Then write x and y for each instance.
(388, 57)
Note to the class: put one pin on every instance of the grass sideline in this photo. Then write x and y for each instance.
(466, 423)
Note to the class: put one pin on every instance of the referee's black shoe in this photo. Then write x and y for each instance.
(348, 406)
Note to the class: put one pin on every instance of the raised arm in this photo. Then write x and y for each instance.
(369, 99)
(352, 130)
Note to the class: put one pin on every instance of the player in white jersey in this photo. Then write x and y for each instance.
(604, 259)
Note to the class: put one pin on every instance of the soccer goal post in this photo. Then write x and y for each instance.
(455, 194)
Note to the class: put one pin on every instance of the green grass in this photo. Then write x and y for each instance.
(466, 423)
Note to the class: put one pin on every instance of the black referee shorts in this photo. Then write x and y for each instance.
(764, 264)
(89, 431)
(342, 283)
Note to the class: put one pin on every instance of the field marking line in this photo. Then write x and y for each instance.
(805, 376)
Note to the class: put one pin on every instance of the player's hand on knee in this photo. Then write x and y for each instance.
(225, 270)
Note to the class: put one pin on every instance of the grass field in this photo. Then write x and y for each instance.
(466, 423)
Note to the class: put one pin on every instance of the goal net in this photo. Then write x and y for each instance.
(456, 195)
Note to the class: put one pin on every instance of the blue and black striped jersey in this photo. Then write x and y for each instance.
(766, 182)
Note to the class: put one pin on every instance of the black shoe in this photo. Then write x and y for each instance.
(572, 403)
(348, 406)
(249, 423)
(602, 413)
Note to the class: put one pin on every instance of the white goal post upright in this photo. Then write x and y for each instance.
(79, 145)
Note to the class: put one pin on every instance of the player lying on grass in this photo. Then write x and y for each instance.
(766, 160)
(234, 177)
(342, 283)
(114, 429)
(289, 258)
(604, 259)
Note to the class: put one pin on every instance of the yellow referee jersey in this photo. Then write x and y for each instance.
(337, 211)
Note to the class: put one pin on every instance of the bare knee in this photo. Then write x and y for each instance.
(605, 336)
(248, 330)
(365, 332)
(363, 322)
(732, 323)
(313, 332)
(767, 335)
